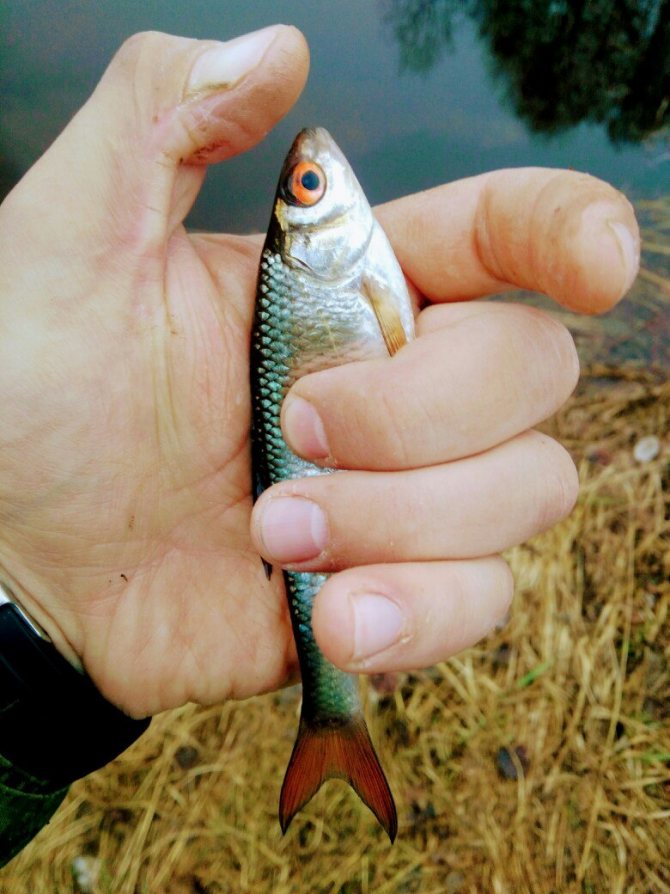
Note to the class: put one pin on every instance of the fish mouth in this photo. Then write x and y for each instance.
(332, 231)
(310, 143)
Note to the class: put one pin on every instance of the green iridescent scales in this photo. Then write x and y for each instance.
(329, 292)
(278, 335)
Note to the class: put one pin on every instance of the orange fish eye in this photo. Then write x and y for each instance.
(306, 183)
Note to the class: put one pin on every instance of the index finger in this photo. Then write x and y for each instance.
(566, 234)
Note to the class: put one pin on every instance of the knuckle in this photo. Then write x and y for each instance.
(559, 484)
(484, 243)
(135, 46)
(394, 440)
(506, 587)
(548, 350)
(429, 419)
(568, 359)
(146, 54)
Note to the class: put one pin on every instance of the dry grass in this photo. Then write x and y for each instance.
(580, 678)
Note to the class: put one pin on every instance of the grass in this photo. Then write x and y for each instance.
(579, 679)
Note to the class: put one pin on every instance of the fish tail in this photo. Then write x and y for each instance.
(344, 750)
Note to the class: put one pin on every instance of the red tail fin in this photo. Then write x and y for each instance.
(336, 750)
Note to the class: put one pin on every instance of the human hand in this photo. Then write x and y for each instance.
(125, 469)
(447, 470)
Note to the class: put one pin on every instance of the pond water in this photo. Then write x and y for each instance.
(415, 92)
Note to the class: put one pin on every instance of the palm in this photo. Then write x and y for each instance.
(125, 462)
(139, 515)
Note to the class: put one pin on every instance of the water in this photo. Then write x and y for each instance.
(416, 92)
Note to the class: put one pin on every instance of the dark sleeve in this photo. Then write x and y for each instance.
(26, 804)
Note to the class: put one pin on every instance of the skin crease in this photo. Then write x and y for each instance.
(125, 465)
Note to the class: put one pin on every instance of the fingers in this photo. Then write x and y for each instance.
(385, 618)
(200, 102)
(132, 160)
(236, 92)
(563, 233)
(514, 364)
(473, 507)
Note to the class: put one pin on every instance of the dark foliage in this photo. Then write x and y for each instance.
(560, 62)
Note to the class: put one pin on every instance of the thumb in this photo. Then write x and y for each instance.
(134, 157)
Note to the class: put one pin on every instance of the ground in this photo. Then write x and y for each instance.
(537, 762)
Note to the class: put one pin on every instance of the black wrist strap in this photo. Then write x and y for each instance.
(54, 724)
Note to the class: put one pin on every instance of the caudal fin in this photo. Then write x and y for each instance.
(342, 750)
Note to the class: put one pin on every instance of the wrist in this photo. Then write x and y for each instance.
(35, 611)
(54, 724)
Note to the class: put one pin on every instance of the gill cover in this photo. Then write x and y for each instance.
(323, 223)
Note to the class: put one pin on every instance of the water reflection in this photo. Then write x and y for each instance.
(423, 29)
(604, 63)
(561, 62)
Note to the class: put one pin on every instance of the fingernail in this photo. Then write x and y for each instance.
(293, 529)
(224, 65)
(630, 250)
(304, 429)
(378, 624)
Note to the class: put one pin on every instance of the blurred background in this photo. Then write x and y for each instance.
(539, 761)
(416, 92)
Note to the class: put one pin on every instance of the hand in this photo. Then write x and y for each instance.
(446, 470)
(125, 470)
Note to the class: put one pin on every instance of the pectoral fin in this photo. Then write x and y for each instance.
(387, 313)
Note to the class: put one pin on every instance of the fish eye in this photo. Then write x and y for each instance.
(306, 184)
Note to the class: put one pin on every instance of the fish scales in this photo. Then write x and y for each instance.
(289, 339)
(329, 292)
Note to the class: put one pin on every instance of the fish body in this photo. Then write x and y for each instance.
(330, 291)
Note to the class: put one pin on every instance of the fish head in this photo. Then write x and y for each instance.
(323, 222)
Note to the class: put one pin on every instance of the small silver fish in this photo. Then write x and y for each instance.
(330, 291)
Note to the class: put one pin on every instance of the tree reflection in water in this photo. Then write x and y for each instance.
(561, 61)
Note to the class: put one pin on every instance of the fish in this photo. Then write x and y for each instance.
(330, 291)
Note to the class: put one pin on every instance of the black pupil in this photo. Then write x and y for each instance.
(310, 180)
